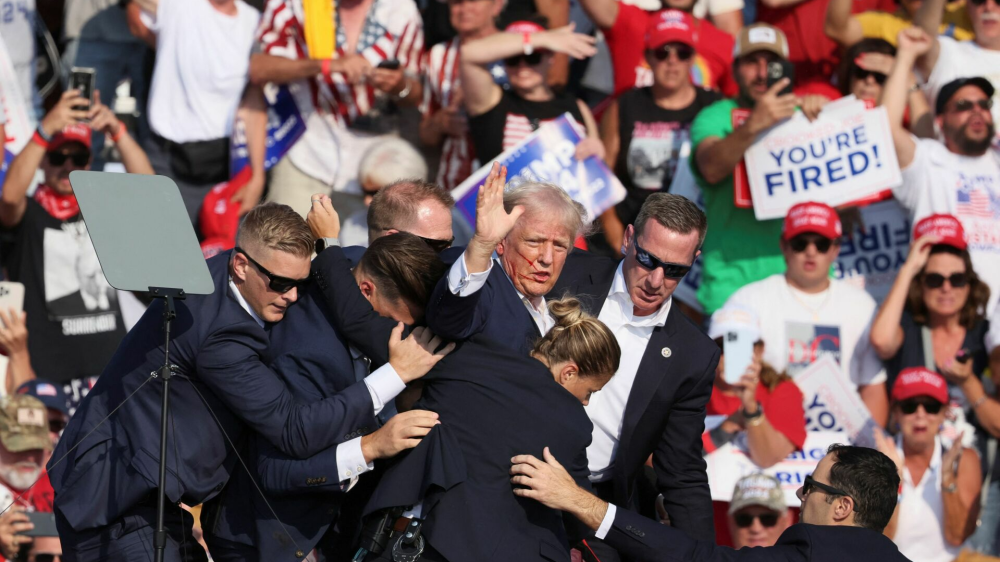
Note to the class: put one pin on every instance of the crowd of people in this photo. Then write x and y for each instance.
(378, 376)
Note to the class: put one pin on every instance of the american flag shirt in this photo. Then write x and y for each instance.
(442, 83)
(967, 187)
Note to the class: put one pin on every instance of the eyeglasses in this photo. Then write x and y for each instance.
(683, 52)
(936, 280)
(670, 270)
(48, 557)
(909, 406)
(79, 159)
(744, 520)
(862, 74)
(961, 106)
(438, 245)
(55, 426)
(531, 60)
(810, 484)
(800, 243)
(277, 283)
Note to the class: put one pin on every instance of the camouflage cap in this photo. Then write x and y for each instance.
(758, 489)
(24, 423)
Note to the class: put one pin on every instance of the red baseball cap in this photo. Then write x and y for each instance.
(524, 27)
(670, 26)
(919, 381)
(817, 218)
(78, 132)
(945, 227)
(219, 217)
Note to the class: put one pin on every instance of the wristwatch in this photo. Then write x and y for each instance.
(755, 418)
(324, 243)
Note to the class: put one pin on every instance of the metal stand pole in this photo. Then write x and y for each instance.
(169, 313)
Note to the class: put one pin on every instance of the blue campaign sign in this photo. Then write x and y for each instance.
(547, 156)
(284, 126)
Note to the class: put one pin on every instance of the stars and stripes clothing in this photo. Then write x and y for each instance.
(514, 118)
(974, 203)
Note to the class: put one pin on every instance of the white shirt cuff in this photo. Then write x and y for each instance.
(463, 283)
(609, 518)
(350, 460)
(384, 385)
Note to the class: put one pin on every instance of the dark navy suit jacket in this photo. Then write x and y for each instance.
(221, 353)
(492, 405)
(648, 540)
(665, 412)
(494, 313)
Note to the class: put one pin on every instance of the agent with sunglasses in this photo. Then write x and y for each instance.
(73, 315)
(846, 503)
(757, 513)
(804, 314)
(959, 175)
(939, 500)
(645, 131)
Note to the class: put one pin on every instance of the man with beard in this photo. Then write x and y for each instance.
(24, 443)
(959, 176)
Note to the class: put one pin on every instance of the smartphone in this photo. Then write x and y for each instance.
(11, 296)
(963, 356)
(82, 79)
(390, 64)
(780, 69)
(45, 525)
(737, 346)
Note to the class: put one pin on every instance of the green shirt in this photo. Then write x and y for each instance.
(738, 248)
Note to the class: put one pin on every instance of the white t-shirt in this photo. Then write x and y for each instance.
(920, 531)
(960, 59)
(17, 30)
(202, 64)
(799, 328)
(940, 181)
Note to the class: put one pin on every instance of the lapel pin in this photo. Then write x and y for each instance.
(666, 352)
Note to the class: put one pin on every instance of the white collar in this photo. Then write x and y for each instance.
(243, 302)
(619, 292)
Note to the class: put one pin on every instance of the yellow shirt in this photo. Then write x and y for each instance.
(883, 25)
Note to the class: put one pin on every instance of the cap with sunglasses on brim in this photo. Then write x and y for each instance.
(949, 90)
(77, 132)
(760, 37)
(670, 26)
(758, 489)
(919, 381)
(817, 218)
(946, 227)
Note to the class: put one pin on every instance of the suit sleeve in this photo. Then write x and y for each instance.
(455, 317)
(352, 314)
(580, 471)
(681, 473)
(229, 364)
(632, 535)
(279, 473)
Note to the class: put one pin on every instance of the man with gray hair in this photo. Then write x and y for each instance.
(496, 289)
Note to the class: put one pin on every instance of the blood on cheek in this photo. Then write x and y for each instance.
(530, 264)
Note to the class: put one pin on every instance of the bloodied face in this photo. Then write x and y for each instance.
(534, 252)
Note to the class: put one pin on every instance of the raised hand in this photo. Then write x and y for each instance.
(413, 357)
(885, 445)
(914, 41)
(949, 461)
(323, 220)
(64, 113)
(920, 251)
(102, 119)
(493, 222)
(565, 40)
(772, 107)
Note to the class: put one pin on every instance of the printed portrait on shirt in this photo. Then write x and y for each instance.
(76, 291)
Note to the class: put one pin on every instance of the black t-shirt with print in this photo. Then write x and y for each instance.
(652, 142)
(514, 118)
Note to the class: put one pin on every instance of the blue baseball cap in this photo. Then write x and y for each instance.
(48, 393)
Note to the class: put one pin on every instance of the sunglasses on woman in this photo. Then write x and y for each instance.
(683, 52)
(800, 243)
(79, 159)
(531, 60)
(936, 280)
(862, 74)
(909, 406)
(277, 283)
(650, 262)
(744, 520)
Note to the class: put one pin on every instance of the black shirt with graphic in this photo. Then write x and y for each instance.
(73, 317)
(513, 119)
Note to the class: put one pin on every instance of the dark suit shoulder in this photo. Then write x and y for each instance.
(580, 263)
(841, 542)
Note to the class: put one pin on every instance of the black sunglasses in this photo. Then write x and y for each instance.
(48, 558)
(961, 106)
(531, 60)
(810, 483)
(909, 406)
(55, 426)
(800, 243)
(862, 74)
(936, 280)
(79, 159)
(744, 520)
(683, 52)
(670, 270)
(981, 2)
(438, 245)
(277, 283)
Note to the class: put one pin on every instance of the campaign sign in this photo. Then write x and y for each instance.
(832, 403)
(834, 160)
(729, 463)
(547, 156)
(284, 126)
(870, 260)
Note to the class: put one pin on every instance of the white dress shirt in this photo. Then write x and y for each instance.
(383, 386)
(463, 284)
(607, 407)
